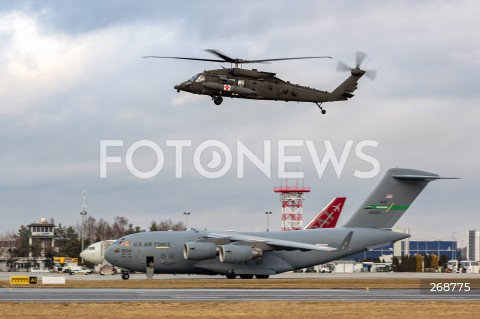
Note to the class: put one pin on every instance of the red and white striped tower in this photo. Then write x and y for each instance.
(292, 205)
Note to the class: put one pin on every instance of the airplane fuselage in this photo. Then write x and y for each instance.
(164, 251)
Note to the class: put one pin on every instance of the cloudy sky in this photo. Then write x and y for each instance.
(72, 75)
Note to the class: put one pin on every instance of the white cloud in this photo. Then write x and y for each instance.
(36, 64)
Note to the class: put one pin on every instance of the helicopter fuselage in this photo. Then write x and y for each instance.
(250, 84)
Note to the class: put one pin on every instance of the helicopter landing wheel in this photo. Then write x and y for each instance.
(321, 108)
(217, 100)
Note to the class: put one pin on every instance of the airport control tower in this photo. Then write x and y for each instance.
(292, 204)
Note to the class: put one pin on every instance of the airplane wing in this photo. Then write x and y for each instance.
(279, 244)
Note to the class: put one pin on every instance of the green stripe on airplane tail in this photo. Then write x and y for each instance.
(387, 207)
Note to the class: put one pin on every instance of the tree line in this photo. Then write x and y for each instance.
(418, 263)
(68, 238)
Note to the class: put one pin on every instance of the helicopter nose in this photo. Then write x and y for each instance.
(180, 87)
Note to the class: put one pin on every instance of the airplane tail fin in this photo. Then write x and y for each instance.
(328, 217)
(391, 198)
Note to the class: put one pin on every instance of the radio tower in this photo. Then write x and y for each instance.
(292, 205)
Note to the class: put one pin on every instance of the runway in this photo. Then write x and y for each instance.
(288, 275)
(318, 295)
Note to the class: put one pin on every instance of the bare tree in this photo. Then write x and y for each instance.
(91, 228)
(119, 226)
(170, 225)
(103, 230)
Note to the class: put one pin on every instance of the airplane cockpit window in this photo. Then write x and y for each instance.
(200, 78)
(91, 248)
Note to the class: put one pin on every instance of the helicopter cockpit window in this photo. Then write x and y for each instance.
(193, 78)
(241, 82)
(200, 78)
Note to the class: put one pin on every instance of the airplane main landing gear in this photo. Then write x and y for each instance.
(125, 275)
(217, 100)
(231, 274)
(321, 108)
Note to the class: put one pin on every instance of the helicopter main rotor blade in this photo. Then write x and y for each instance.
(180, 58)
(232, 60)
(225, 58)
(284, 59)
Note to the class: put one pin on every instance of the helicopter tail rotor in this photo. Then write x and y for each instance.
(359, 58)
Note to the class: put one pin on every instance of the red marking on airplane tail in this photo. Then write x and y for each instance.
(329, 216)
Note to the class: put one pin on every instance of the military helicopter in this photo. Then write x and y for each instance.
(236, 82)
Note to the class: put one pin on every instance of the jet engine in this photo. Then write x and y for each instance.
(238, 253)
(199, 250)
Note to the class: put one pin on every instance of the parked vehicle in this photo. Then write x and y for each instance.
(79, 270)
(469, 266)
(37, 269)
(465, 266)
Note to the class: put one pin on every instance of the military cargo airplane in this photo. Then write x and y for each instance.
(261, 254)
(327, 218)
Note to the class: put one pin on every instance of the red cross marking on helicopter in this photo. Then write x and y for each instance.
(227, 87)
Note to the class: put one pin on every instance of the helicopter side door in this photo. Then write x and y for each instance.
(264, 89)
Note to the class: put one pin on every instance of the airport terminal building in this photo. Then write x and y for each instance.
(406, 247)
(412, 247)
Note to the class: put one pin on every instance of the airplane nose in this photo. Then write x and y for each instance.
(83, 254)
(109, 254)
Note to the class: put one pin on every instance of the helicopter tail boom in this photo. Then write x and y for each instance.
(345, 90)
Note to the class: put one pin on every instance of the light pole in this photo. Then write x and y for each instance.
(186, 219)
(268, 220)
(453, 244)
(83, 213)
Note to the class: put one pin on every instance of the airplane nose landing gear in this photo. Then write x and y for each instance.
(217, 100)
(125, 275)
